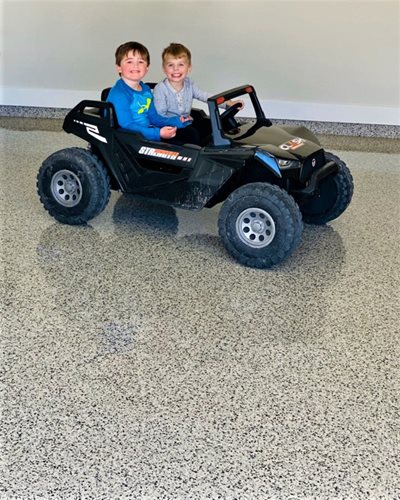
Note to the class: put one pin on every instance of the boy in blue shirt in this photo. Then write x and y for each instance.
(133, 99)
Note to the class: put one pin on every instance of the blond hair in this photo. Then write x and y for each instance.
(176, 50)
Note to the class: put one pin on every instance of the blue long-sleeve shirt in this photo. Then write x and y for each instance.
(135, 110)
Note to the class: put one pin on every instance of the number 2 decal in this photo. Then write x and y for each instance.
(92, 130)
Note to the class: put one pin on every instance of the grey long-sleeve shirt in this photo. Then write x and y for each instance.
(169, 102)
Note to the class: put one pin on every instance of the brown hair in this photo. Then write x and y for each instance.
(177, 50)
(124, 49)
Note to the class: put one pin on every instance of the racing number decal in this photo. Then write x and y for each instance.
(92, 130)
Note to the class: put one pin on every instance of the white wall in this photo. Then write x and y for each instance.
(313, 60)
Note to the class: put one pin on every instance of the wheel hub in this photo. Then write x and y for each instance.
(66, 188)
(70, 187)
(255, 227)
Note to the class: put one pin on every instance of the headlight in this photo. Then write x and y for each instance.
(288, 163)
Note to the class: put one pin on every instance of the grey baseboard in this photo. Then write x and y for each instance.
(319, 127)
(33, 112)
(347, 129)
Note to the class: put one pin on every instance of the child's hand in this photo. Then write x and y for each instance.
(235, 101)
(185, 119)
(167, 132)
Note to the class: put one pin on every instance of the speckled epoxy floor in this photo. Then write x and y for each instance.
(140, 361)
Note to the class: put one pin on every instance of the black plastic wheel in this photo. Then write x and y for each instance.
(73, 186)
(260, 224)
(333, 195)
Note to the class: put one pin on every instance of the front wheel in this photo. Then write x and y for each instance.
(260, 224)
(73, 185)
(332, 196)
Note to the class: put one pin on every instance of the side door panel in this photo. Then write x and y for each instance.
(148, 164)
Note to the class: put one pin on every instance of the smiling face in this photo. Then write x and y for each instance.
(132, 68)
(176, 69)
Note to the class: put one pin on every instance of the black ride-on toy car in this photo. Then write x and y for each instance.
(269, 178)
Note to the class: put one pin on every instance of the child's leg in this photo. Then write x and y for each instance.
(187, 135)
(203, 128)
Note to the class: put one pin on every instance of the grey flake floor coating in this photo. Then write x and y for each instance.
(140, 361)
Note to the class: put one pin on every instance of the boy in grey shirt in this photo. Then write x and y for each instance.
(174, 95)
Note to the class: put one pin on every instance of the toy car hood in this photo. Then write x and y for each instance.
(291, 143)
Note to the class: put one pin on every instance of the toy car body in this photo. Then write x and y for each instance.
(269, 178)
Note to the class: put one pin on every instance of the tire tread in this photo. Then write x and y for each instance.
(98, 178)
(291, 220)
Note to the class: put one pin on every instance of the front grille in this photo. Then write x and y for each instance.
(308, 168)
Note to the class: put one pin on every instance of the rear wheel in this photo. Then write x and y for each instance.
(260, 224)
(73, 185)
(332, 197)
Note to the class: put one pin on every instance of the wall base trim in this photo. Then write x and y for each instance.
(317, 126)
(282, 110)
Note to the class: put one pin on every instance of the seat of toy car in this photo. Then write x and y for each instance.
(104, 95)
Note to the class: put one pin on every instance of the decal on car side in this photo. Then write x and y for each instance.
(295, 143)
(92, 130)
(162, 153)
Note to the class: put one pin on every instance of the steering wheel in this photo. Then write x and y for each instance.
(231, 112)
(228, 122)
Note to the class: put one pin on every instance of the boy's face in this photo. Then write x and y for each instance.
(132, 68)
(176, 68)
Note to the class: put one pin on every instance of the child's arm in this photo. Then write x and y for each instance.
(160, 100)
(235, 101)
(201, 95)
(165, 121)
